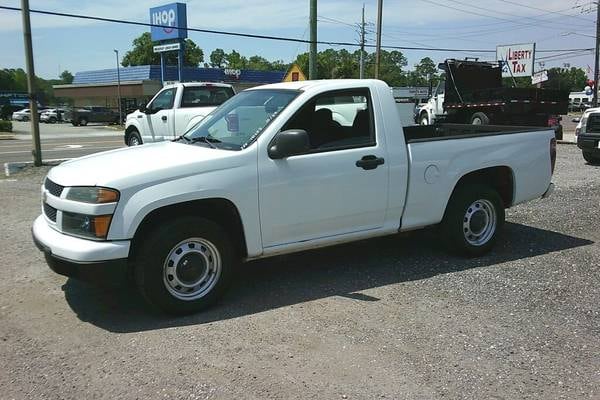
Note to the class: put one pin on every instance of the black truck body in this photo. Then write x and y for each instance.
(474, 87)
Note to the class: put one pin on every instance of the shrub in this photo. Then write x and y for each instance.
(5, 126)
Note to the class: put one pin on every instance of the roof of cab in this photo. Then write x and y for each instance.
(307, 85)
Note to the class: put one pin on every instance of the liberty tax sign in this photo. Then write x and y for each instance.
(516, 59)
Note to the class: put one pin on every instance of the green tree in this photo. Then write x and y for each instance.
(66, 77)
(425, 72)
(142, 53)
(236, 61)
(573, 79)
(217, 58)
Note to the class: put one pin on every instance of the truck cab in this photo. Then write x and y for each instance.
(434, 108)
(173, 110)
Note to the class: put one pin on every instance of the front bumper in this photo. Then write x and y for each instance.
(80, 258)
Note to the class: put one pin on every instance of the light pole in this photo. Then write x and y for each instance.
(119, 87)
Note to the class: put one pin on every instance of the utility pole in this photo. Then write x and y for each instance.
(119, 87)
(596, 66)
(35, 126)
(362, 45)
(378, 42)
(312, 59)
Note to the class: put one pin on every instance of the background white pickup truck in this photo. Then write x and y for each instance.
(173, 110)
(279, 169)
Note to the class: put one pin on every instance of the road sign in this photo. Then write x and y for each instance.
(167, 47)
(539, 77)
(516, 59)
(170, 17)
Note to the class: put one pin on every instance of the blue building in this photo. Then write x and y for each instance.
(140, 83)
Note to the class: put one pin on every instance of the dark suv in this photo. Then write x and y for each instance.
(588, 139)
(81, 116)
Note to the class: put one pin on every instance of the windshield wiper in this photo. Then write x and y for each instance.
(178, 138)
(205, 139)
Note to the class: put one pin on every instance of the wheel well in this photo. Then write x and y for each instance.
(500, 178)
(220, 211)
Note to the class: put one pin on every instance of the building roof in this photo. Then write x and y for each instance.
(152, 72)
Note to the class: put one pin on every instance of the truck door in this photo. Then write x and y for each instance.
(158, 123)
(438, 109)
(336, 188)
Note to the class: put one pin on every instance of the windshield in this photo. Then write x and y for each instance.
(239, 121)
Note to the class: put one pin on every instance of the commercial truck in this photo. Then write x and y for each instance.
(279, 169)
(472, 93)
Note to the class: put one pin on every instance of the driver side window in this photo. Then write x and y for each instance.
(164, 100)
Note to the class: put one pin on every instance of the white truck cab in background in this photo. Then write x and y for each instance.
(434, 108)
(173, 110)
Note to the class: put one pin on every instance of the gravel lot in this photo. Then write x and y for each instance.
(388, 318)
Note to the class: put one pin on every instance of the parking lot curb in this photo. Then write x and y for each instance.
(6, 137)
(10, 168)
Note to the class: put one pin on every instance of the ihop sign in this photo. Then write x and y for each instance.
(173, 20)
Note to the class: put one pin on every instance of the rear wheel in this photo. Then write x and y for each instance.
(185, 265)
(83, 121)
(480, 118)
(473, 217)
(590, 158)
(52, 120)
(25, 119)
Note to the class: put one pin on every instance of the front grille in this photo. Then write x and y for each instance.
(54, 188)
(50, 212)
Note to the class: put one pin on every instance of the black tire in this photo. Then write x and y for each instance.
(74, 123)
(468, 201)
(83, 121)
(134, 138)
(164, 241)
(424, 119)
(480, 118)
(25, 119)
(52, 120)
(590, 158)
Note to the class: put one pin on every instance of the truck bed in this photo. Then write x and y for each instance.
(425, 133)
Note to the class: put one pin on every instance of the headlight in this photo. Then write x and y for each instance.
(91, 226)
(92, 194)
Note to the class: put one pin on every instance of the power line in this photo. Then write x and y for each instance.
(541, 9)
(266, 37)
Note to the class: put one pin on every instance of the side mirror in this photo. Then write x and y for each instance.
(289, 143)
(576, 120)
(142, 107)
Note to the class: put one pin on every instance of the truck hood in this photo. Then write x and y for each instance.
(132, 166)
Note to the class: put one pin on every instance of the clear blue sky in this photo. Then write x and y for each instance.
(62, 43)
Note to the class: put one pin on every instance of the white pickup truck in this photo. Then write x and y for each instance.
(173, 110)
(272, 172)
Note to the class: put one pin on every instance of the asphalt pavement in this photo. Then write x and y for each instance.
(59, 141)
(388, 318)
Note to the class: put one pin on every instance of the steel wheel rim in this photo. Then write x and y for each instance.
(479, 222)
(185, 281)
(133, 141)
(477, 121)
(424, 121)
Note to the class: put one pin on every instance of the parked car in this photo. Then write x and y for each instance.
(588, 138)
(52, 115)
(82, 116)
(279, 169)
(21, 115)
(582, 121)
(173, 111)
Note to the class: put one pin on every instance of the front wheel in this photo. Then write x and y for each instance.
(83, 121)
(473, 217)
(424, 120)
(134, 139)
(185, 265)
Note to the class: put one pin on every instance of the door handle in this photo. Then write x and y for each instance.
(164, 117)
(370, 162)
